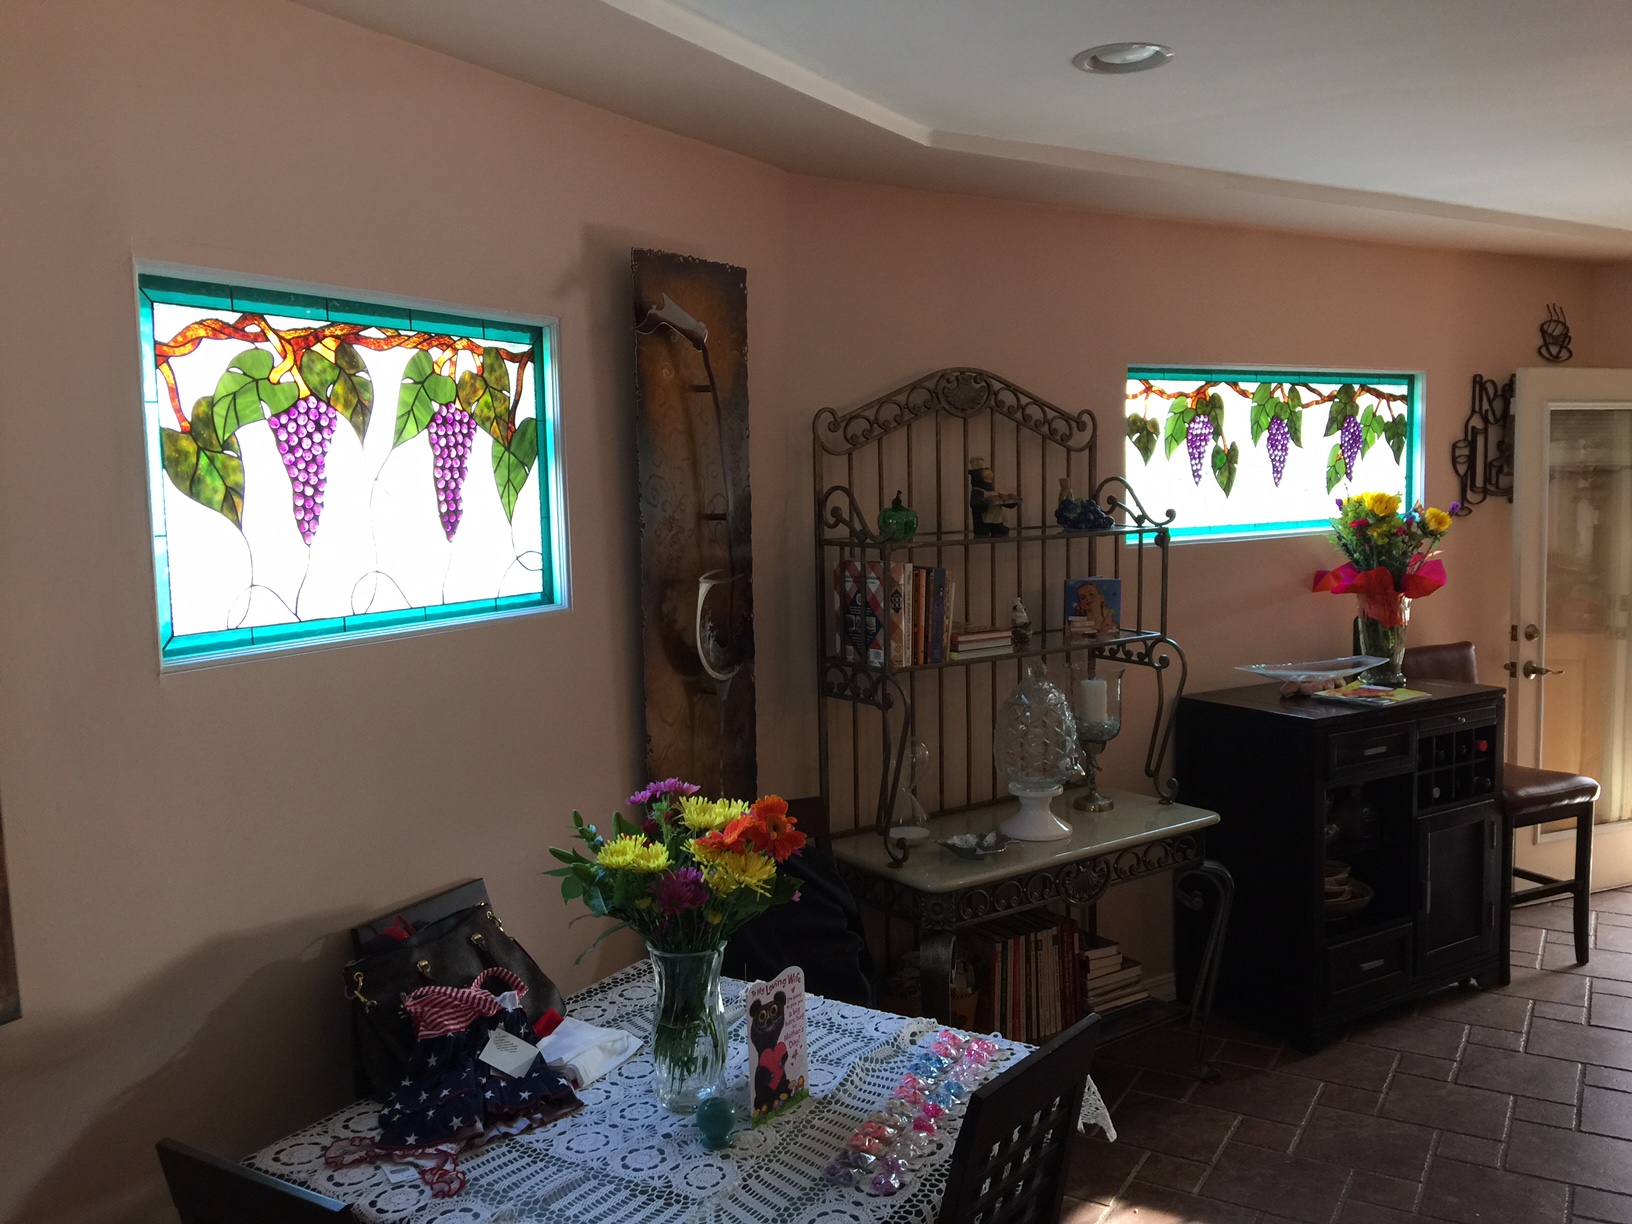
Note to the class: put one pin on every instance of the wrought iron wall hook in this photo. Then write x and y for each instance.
(1483, 456)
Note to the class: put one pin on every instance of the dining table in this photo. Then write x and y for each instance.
(624, 1158)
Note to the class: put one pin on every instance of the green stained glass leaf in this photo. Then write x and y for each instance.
(352, 394)
(423, 389)
(1263, 393)
(1142, 433)
(1215, 411)
(1225, 463)
(1294, 423)
(1395, 431)
(513, 464)
(1260, 419)
(319, 373)
(1371, 428)
(1335, 471)
(199, 465)
(1294, 399)
(1178, 421)
(243, 393)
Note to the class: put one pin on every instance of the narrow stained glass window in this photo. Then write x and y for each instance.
(321, 469)
(1239, 453)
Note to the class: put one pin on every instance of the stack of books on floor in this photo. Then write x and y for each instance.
(1110, 980)
(1027, 967)
(981, 642)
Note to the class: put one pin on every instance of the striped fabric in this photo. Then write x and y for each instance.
(440, 1010)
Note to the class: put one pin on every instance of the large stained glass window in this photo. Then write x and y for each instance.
(321, 469)
(1239, 453)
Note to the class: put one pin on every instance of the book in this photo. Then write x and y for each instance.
(1129, 971)
(981, 652)
(858, 585)
(937, 614)
(899, 603)
(1356, 693)
(920, 602)
(946, 619)
(1138, 996)
(1099, 949)
(971, 637)
(1093, 606)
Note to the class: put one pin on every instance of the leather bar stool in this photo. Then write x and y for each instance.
(1529, 796)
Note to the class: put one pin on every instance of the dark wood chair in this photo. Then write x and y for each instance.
(1529, 796)
(209, 1190)
(1010, 1160)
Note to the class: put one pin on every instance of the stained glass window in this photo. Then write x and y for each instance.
(321, 469)
(1239, 453)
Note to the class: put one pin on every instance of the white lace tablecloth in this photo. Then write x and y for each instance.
(624, 1158)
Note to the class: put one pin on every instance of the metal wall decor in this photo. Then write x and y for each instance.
(691, 431)
(1555, 336)
(1483, 456)
(922, 438)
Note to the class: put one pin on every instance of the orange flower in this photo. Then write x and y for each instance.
(738, 837)
(780, 839)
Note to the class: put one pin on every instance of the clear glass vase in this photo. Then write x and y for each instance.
(1382, 625)
(689, 1037)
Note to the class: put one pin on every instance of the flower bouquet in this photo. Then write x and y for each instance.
(687, 876)
(1390, 563)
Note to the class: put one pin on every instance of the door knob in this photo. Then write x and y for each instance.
(1531, 671)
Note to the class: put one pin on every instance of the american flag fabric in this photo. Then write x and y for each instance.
(449, 1096)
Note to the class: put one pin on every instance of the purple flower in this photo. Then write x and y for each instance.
(1455, 506)
(658, 790)
(681, 890)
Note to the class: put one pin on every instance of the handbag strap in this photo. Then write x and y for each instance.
(440, 1010)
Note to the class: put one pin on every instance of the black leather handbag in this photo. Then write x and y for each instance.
(449, 952)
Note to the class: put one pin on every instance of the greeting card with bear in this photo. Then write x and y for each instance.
(779, 1064)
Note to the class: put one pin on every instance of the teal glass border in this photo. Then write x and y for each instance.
(1411, 461)
(186, 649)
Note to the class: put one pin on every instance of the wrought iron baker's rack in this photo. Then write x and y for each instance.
(920, 439)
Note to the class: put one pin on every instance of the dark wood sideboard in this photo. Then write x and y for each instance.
(1406, 795)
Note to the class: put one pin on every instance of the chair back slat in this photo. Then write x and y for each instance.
(1010, 1160)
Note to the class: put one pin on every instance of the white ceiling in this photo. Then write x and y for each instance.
(1494, 124)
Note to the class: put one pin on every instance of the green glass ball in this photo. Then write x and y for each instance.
(716, 1119)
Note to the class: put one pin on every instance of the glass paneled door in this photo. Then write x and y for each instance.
(1573, 588)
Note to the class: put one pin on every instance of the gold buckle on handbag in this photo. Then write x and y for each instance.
(356, 992)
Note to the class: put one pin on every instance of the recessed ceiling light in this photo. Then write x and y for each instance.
(1123, 57)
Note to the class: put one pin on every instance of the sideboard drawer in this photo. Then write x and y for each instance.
(1381, 750)
(1373, 962)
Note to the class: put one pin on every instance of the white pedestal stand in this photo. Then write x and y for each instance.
(1035, 821)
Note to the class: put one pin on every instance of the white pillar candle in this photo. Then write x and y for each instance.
(1092, 701)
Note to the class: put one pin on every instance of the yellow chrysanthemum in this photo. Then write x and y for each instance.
(753, 871)
(1381, 532)
(705, 815)
(1382, 505)
(628, 853)
(1437, 521)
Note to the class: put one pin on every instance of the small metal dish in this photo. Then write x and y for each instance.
(976, 846)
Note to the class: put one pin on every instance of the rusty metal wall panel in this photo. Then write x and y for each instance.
(691, 392)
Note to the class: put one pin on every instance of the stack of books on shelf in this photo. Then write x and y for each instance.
(1027, 968)
(981, 642)
(1110, 980)
(916, 603)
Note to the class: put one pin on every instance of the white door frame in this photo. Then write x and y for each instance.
(1536, 392)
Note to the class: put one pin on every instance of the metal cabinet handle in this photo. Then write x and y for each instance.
(1372, 964)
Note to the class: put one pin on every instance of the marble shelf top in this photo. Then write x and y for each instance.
(1136, 820)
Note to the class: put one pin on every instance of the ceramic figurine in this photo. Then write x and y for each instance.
(1080, 513)
(986, 504)
(1020, 625)
(897, 523)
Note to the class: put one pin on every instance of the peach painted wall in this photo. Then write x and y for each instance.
(185, 852)
(1612, 316)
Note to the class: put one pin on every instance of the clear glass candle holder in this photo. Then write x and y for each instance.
(1096, 700)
